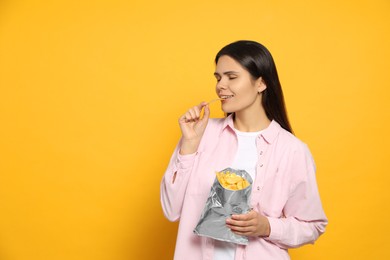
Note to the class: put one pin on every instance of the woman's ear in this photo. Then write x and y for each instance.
(260, 84)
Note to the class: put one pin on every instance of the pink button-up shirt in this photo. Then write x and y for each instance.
(284, 190)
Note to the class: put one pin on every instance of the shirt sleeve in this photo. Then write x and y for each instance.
(304, 219)
(174, 183)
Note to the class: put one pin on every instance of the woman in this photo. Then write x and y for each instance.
(255, 136)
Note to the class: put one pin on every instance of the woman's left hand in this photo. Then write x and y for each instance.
(249, 224)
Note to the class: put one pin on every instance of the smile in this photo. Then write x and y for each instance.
(226, 97)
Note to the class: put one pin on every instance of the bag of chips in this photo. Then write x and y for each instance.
(229, 194)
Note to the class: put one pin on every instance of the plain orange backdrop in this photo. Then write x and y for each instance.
(90, 93)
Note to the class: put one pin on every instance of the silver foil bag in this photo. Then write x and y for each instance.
(220, 205)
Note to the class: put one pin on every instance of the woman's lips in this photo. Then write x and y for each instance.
(224, 97)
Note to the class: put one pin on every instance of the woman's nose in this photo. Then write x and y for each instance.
(221, 85)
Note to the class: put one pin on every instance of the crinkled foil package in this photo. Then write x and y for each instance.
(220, 205)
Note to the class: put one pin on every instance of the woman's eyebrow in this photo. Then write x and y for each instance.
(226, 73)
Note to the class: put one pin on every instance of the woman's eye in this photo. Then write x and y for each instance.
(232, 78)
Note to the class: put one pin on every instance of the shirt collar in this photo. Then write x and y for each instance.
(269, 134)
(228, 122)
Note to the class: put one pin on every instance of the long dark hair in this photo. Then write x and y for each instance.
(258, 61)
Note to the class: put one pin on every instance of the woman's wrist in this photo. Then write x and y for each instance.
(265, 227)
(189, 146)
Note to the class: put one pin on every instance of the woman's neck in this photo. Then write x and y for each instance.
(251, 120)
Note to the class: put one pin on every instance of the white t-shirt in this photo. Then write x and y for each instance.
(246, 159)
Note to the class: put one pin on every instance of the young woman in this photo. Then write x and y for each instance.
(255, 136)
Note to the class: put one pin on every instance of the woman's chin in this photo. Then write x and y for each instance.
(227, 111)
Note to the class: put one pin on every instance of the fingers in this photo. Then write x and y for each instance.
(206, 114)
(243, 217)
(190, 116)
(242, 220)
(250, 224)
(244, 231)
(244, 224)
(242, 228)
(193, 114)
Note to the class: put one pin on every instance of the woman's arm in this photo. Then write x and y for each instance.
(174, 183)
(304, 219)
(177, 175)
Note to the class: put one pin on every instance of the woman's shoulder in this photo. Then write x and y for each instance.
(292, 147)
(291, 141)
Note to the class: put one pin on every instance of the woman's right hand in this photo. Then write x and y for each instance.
(192, 127)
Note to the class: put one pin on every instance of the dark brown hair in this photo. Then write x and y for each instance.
(258, 61)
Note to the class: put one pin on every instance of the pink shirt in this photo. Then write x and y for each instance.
(285, 191)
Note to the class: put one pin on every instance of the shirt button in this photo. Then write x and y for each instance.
(258, 187)
(261, 152)
(261, 165)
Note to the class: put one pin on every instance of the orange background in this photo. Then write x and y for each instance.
(90, 93)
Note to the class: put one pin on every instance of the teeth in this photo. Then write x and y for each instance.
(226, 97)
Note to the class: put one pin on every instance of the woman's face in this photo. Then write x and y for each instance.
(234, 83)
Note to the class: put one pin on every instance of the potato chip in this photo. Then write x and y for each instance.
(232, 181)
